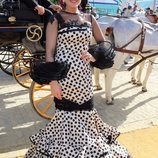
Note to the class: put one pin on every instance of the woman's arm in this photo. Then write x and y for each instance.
(51, 40)
(103, 53)
(99, 37)
(97, 33)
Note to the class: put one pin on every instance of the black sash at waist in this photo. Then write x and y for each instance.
(68, 105)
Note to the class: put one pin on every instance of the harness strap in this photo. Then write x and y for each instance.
(126, 51)
(142, 33)
(142, 36)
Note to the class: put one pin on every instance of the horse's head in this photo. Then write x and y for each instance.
(109, 31)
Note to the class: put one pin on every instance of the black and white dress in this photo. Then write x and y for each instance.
(79, 133)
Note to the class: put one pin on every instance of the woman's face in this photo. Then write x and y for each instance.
(72, 3)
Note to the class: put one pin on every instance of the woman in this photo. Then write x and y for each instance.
(76, 131)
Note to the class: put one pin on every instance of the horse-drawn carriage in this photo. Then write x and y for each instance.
(21, 31)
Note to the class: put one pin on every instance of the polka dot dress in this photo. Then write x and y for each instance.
(77, 134)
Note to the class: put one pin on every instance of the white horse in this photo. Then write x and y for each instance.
(125, 30)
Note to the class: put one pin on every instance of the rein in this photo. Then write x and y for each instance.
(143, 58)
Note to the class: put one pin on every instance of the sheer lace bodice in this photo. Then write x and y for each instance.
(75, 18)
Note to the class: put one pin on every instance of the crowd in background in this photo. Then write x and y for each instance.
(148, 12)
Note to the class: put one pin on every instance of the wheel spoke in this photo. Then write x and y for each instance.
(47, 106)
(21, 67)
(42, 99)
(43, 89)
(7, 56)
(23, 74)
(6, 66)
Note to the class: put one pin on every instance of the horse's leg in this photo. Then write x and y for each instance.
(133, 72)
(148, 72)
(139, 74)
(109, 76)
(96, 79)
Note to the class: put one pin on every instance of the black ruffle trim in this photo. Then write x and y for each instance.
(103, 53)
(45, 72)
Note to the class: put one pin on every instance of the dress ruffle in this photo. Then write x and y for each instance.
(80, 134)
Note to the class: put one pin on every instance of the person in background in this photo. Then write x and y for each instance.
(128, 11)
(123, 11)
(40, 5)
(152, 17)
(147, 11)
(135, 10)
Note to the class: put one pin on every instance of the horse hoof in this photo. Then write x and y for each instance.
(144, 89)
(98, 88)
(133, 81)
(139, 84)
(109, 103)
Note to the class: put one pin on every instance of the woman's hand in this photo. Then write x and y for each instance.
(40, 9)
(56, 7)
(56, 89)
(86, 56)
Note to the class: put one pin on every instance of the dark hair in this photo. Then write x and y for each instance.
(147, 8)
(63, 5)
(83, 5)
(129, 7)
(124, 9)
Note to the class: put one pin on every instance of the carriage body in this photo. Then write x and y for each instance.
(15, 19)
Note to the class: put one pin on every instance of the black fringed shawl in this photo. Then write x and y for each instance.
(103, 53)
(45, 72)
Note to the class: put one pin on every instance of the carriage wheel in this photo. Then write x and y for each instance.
(7, 55)
(21, 68)
(42, 100)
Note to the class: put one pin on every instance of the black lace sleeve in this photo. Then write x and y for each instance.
(56, 16)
